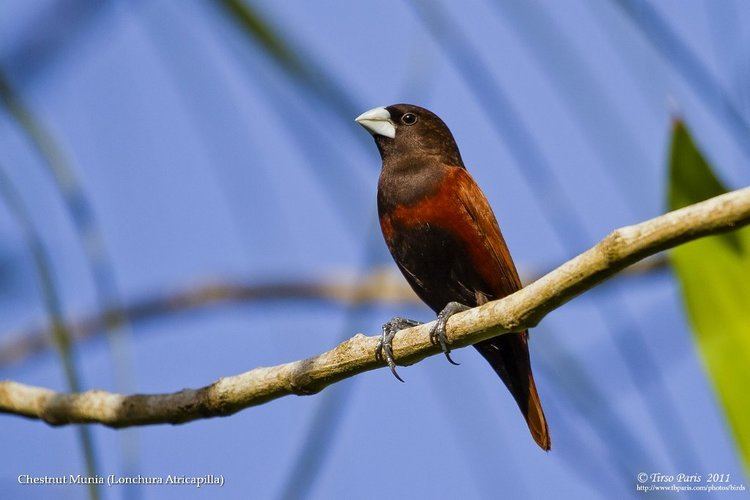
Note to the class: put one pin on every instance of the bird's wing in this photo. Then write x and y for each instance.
(502, 274)
(508, 354)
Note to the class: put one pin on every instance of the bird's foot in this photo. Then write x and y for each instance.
(438, 335)
(385, 348)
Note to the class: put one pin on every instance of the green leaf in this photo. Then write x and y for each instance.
(714, 274)
(268, 38)
(302, 66)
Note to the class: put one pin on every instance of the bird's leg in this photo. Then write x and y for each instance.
(385, 349)
(438, 335)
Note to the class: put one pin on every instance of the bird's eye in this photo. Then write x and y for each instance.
(409, 119)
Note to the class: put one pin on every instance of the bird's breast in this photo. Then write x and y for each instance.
(447, 238)
(437, 206)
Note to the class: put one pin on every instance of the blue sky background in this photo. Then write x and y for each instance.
(204, 161)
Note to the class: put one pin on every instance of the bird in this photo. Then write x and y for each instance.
(445, 239)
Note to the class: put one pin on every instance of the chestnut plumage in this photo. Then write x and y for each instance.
(445, 239)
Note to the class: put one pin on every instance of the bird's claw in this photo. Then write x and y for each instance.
(438, 334)
(384, 351)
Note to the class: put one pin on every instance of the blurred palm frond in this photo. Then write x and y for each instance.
(59, 333)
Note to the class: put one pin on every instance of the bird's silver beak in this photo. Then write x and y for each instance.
(378, 122)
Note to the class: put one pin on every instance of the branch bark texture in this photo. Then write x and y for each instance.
(524, 309)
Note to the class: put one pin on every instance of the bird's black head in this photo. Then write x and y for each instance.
(405, 132)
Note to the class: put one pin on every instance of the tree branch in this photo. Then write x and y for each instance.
(378, 286)
(524, 309)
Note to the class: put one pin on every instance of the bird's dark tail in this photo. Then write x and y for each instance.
(509, 356)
